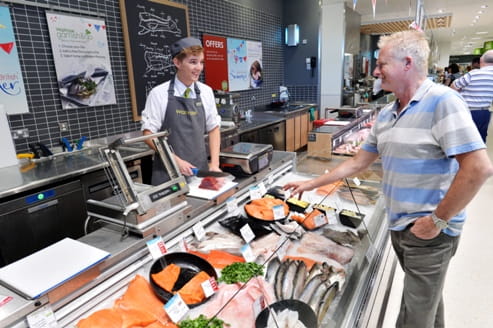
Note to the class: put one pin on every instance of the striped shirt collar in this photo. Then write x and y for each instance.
(418, 95)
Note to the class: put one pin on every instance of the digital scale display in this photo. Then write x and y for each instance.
(164, 192)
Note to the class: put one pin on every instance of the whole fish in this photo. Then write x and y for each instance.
(327, 300)
(288, 280)
(227, 241)
(299, 280)
(272, 267)
(279, 279)
(317, 298)
(315, 269)
(310, 287)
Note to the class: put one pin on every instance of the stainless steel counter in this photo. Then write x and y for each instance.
(131, 254)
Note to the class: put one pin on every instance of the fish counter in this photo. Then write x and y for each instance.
(317, 256)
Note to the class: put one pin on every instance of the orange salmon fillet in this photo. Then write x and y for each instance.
(192, 292)
(262, 208)
(106, 318)
(219, 259)
(134, 318)
(167, 278)
(329, 188)
(140, 296)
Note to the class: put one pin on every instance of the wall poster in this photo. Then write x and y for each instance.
(149, 28)
(82, 60)
(232, 64)
(12, 91)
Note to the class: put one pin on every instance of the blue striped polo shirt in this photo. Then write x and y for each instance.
(477, 87)
(417, 149)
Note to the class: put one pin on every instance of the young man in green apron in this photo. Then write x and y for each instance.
(186, 108)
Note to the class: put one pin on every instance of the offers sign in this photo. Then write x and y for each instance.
(216, 61)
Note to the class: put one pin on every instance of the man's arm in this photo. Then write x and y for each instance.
(359, 162)
(474, 169)
(214, 147)
(453, 86)
(149, 141)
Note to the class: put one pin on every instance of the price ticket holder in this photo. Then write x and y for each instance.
(138, 207)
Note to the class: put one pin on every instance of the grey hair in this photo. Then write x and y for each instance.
(488, 57)
(408, 43)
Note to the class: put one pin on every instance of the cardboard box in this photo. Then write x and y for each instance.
(319, 145)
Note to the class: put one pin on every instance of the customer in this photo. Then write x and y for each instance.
(475, 63)
(476, 87)
(186, 108)
(454, 73)
(434, 162)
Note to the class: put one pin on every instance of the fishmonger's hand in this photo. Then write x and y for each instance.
(184, 166)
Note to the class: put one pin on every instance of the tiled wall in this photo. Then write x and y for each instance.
(212, 16)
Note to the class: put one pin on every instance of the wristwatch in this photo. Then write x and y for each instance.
(439, 223)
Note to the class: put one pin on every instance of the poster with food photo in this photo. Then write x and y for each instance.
(82, 61)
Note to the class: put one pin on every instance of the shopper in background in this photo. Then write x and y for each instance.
(454, 73)
(434, 162)
(187, 109)
(475, 63)
(476, 87)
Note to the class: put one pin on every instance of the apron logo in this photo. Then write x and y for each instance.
(186, 112)
(199, 103)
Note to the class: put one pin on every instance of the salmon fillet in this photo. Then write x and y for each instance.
(167, 277)
(192, 291)
(330, 188)
(219, 259)
(134, 318)
(107, 318)
(140, 296)
(262, 208)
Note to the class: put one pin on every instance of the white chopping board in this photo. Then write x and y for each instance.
(195, 191)
(7, 147)
(43, 271)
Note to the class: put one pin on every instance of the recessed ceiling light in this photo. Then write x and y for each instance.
(440, 11)
(484, 6)
(476, 17)
(480, 12)
(482, 32)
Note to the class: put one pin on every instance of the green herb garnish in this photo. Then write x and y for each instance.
(203, 322)
(240, 272)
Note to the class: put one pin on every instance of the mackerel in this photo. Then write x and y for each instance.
(310, 287)
(288, 280)
(271, 271)
(317, 298)
(279, 279)
(327, 300)
(299, 280)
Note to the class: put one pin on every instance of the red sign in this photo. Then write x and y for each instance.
(216, 61)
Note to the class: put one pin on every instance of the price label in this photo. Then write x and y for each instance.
(209, 287)
(247, 253)
(282, 247)
(199, 231)
(156, 247)
(278, 212)
(258, 305)
(262, 188)
(270, 180)
(183, 245)
(320, 220)
(42, 318)
(287, 195)
(232, 205)
(176, 308)
(247, 233)
(356, 181)
(255, 193)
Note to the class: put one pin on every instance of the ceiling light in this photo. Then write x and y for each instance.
(484, 6)
(472, 24)
(476, 17)
(482, 32)
(480, 12)
(476, 38)
(440, 11)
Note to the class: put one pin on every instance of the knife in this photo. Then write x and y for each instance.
(203, 173)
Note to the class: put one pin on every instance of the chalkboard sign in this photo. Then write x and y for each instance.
(149, 28)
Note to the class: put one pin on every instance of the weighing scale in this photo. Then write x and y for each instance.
(140, 208)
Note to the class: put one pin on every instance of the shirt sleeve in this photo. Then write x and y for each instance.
(462, 81)
(155, 109)
(453, 126)
(210, 109)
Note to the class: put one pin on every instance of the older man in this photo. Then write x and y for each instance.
(476, 87)
(434, 162)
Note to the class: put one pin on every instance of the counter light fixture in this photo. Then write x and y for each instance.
(292, 35)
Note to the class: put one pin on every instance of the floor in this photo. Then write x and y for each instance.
(468, 290)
